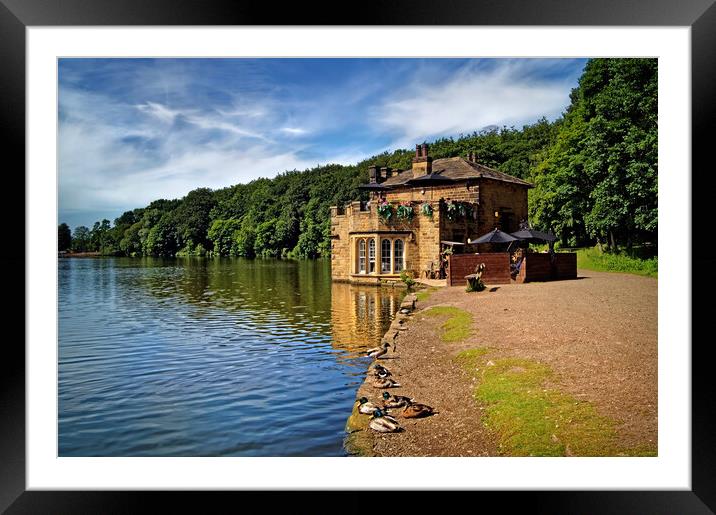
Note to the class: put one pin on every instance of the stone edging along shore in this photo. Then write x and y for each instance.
(359, 441)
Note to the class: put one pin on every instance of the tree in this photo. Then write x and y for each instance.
(222, 234)
(193, 219)
(81, 239)
(64, 237)
(599, 180)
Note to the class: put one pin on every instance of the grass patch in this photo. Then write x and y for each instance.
(457, 327)
(532, 420)
(424, 295)
(470, 358)
(594, 259)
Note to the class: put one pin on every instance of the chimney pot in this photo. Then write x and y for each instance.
(384, 172)
(424, 148)
(417, 150)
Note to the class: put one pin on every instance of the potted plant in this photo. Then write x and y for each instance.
(426, 209)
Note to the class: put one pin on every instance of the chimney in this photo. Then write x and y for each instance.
(422, 163)
(384, 172)
(469, 156)
(373, 176)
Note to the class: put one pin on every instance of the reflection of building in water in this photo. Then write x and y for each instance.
(360, 315)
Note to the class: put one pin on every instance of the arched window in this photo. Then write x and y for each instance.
(371, 256)
(385, 256)
(361, 256)
(398, 256)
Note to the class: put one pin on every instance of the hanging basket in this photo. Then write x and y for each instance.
(405, 212)
(385, 211)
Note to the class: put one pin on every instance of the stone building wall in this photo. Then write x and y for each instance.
(422, 235)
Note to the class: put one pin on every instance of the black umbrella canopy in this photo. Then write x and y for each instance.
(495, 236)
(531, 234)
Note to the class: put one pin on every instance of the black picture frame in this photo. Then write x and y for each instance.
(699, 15)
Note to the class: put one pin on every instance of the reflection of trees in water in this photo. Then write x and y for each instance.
(288, 289)
(360, 315)
(268, 292)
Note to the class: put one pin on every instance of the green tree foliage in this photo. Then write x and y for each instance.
(599, 180)
(64, 237)
(594, 171)
(81, 239)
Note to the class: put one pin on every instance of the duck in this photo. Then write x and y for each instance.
(385, 382)
(377, 352)
(380, 371)
(366, 407)
(395, 401)
(383, 423)
(417, 410)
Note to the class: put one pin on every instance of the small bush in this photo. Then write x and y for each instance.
(407, 279)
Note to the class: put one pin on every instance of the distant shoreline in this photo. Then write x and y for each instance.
(78, 254)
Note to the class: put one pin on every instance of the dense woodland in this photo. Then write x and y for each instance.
(594, 170)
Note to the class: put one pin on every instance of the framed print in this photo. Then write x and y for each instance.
(263, 266)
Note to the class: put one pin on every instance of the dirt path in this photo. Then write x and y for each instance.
(598, 334)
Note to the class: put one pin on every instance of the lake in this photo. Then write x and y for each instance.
(202, 357)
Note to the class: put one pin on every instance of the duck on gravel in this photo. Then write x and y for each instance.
(366, 407)
(377, 352)
(395, 401)
(383, 423)
(417, 410)
(380, 371)
(385, 382)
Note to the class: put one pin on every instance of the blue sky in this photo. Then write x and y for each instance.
(135, 130)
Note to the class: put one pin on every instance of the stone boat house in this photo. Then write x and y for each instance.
(410, 212)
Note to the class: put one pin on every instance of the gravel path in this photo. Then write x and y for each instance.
(598, 333)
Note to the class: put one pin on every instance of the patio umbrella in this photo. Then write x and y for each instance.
(533, 235)
(495, 236)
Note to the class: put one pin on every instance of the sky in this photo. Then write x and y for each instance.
(136, 130)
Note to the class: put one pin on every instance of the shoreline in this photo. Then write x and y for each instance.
(441, 434)
(592, 387)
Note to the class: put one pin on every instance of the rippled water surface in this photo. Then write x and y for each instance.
(193, 357)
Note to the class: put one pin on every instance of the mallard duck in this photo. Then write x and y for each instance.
(383, 423)
(366, 407)
(377, 352)
(381, 371)
(417, 410)
(395, 401)
(385, 382)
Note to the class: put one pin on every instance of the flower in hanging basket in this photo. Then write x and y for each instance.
(426, 209)
(385, 211)
(451, 210)
(461, 210)
(405, 211)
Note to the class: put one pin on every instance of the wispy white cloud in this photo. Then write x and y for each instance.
(510, 92)
(294, 131)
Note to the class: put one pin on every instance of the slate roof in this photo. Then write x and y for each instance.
(457, 169)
